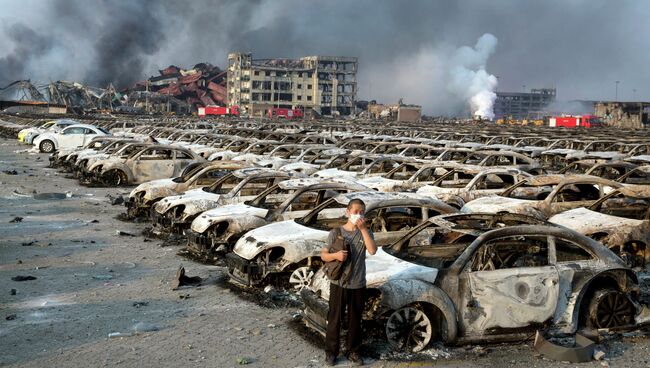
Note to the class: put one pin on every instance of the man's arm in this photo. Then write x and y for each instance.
(368, 239)
(325, 254)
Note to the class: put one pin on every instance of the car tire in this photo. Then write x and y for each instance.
(609, 308)
(46, 146)
(409, 329)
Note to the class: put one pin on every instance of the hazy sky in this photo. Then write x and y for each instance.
(405, 48)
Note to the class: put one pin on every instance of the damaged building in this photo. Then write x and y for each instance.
(522, 105)
(623, 114)
(399, 112)
(324, 84)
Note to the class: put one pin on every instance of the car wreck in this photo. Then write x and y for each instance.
(174, 214)
(289, 251)
(214, 233)
(451, 281)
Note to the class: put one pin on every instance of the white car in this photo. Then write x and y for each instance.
(73, 136)
(28, 135)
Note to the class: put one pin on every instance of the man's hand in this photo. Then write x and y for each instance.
(341, 255)
(361, 223)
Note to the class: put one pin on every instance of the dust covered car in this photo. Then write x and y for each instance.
(462, 185)
(290, 250)
(215, 232)
(174, 214)
(150, 163)
(459, 283)
(571, 192)
(620, 220)
(68, 138)
(204, 174)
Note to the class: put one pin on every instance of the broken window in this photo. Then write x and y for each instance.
(157, 154)
(494, 181)
(224, 185)
(577, 192)
(511, 252)
(566, 251)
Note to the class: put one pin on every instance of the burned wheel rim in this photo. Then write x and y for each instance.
(301, 277)
(408, 329)
(47, 146)
(610, 308)
(115, 178)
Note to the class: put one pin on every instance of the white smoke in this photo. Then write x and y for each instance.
(469, 80)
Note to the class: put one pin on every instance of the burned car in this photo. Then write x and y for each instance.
(290, 250)
(457, 283)
(174, 214)
(215, 232)
(146, 194)
(620, 220)
(572, 192)
(462, 185)
(150, 163)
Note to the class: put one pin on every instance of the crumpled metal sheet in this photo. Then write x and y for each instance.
(583, 351)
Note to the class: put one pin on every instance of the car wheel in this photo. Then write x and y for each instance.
(409, 329)
(115, 178)
(610, 308)
(47, 146)
(301, 277)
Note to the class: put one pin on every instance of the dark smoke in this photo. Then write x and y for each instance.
(578, 46)
(27, 45)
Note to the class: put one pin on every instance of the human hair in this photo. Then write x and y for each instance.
(356, 201)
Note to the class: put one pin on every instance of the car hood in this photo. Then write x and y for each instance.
(224, 213)
(586, 221)
(335, 173)
(381, 184)
(155, 187)
(195, 200)
(497, 204)
(280, 233)
(383, 268)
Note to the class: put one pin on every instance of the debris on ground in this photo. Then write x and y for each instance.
(140, 304)
(123, 233)
(182, 280)
(52, 196)
(16, 219)
(29, 244)
(103, 277)
(13, 291)
(23, 278)
(10, 172)
(578, 350)
(115, 200)
(10, 317)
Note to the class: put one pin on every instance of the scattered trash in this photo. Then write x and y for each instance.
(52, 196)
(115, 200)
(140, 304)
(93, 221)
(29, 244)
(119, 334)
(123, 233)
(580, 351)
(182, 280)
(599, 355)
(184, 296)
(17, 219)
(10, 317)
(24, 192)
(10, 172)
(242, 361)
(13, 291)
(141, 327)
(102, 277)
(23, 278)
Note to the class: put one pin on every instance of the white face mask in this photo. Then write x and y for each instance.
(354, 218)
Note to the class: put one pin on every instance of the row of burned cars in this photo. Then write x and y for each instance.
(485, 233)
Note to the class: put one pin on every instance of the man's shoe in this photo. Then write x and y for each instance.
(355, 359)
(330, 359)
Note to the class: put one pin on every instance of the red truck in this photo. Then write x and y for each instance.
(219, 111)
(277, 112)
(576, 121)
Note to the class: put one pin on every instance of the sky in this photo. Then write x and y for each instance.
(406, 49)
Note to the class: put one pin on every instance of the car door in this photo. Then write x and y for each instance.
(153, 163)
(88, 135)
(512, 285)
(180, 161)
(71, 137)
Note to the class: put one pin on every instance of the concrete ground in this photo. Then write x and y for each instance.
(91, 282)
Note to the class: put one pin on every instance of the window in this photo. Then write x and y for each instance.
(89, 131)
(566, 251)
(309, 75)
(75, 130)
(299, 98)
(577, 192)
(257, 72)
(308, 98)
(299, 86)
(157, 154)
(511, 252)
(299, 76)
(309, 86)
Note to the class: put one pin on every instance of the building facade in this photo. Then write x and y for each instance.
(324, 84)
(522, 105)
(624, 114)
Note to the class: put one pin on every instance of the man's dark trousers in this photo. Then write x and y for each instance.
(340, 298)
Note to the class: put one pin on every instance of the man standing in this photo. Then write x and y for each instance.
(349, 290)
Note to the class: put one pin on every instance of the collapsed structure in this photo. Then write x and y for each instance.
(324, 84)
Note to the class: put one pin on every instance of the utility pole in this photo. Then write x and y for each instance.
(616, 95)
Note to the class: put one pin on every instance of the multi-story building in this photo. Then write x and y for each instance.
(325, 84)
(522, 105)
